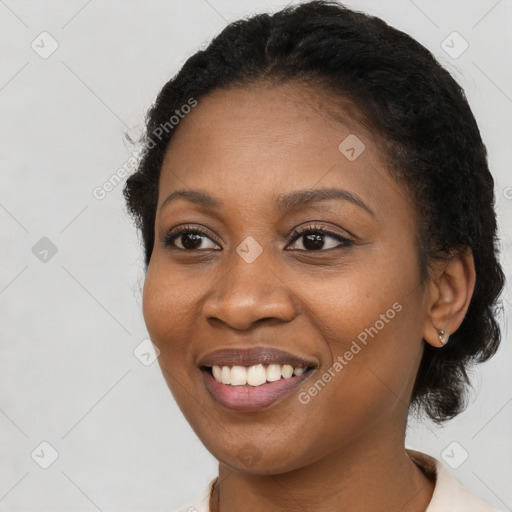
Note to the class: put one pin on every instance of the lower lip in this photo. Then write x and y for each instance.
(251, 398)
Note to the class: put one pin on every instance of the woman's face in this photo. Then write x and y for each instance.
(348, 305)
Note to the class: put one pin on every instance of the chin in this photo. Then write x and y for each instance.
(267, 456)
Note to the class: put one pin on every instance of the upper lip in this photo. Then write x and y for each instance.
(253, 356)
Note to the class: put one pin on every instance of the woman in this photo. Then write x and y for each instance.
(320, 253)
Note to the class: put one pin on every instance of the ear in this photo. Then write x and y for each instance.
(449, 294)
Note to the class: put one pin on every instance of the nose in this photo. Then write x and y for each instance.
(249, 293)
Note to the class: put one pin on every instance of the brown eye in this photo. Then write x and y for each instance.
(190, 239)
(313, 239)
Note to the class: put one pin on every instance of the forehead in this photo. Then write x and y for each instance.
(248, 144)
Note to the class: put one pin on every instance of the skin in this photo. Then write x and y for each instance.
(245, 146)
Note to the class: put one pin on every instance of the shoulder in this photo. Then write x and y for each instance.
(449, 494)
(202, 504)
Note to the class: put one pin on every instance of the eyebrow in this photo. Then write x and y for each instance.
(284, 202)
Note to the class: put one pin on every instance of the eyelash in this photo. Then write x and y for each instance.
(296, 234)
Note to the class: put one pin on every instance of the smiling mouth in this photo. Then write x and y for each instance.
(240, 396)
(250, 379)
(255, 375)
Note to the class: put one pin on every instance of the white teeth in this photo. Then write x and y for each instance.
(254, 375)
(225, 376)
(273, 372)
(217, 373)
(286, 371)
(238, 376)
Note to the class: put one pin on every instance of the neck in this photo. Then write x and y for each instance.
(365, 476)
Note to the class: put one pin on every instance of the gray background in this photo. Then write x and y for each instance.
(70, 321)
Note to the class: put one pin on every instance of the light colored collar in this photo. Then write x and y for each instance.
(449, 495)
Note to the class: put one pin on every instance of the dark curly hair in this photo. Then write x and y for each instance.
(420, 117)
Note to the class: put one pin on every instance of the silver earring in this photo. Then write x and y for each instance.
(443, 337)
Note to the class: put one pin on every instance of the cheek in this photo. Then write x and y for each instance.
(154, 305)
(371, 322)
(169, 320)
(166, 324)
(168, 306)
